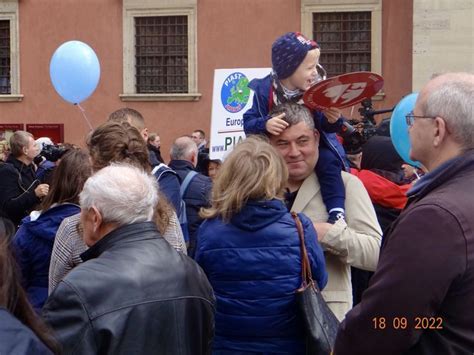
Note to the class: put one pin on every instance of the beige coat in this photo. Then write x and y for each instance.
(356, 243)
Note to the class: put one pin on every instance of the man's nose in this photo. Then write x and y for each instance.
(294, 151)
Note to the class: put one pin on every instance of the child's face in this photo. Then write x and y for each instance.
(213, 169)
(305, 75)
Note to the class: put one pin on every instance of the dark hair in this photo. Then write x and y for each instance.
(68, 178)
(201, 133)
(12, 295)
(7, 228)
(125, 114)
(379, 153)
(120, 142)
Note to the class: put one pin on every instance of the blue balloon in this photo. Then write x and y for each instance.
(75, 71)
(399, 128)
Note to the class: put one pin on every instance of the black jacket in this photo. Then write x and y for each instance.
(133, 295)
(155, 155)
(17, 189)
(197, 195)
(203, 160)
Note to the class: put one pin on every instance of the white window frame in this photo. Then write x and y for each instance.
(9, 11)
(144, 8)
(308, 7)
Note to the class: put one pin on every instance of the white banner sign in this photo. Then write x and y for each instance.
(231, 98)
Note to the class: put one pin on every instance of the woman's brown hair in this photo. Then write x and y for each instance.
(120, 142)
(68, 178)
(12, 295)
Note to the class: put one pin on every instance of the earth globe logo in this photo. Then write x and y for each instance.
(235, 92)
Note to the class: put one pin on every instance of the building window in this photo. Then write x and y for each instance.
(345, 41)
(5, 85)
(349, 33)
(161, 54)
(160, 51)
(9, 52)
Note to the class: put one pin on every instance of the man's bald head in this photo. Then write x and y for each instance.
(184, 148)
(451, 97)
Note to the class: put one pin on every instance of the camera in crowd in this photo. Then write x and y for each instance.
(52, 152)
(357, 132)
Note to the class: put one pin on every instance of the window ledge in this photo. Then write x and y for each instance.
(160, 97)
(11, 98)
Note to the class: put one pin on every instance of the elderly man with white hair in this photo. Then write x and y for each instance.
(134, 293)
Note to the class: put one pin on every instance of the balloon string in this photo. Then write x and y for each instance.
(84, 115)
(418, 177)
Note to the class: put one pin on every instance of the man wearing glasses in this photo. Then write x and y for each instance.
(420, 298)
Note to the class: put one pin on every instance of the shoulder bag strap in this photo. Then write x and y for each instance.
(186, 181)
(156, 168)
(306, 274)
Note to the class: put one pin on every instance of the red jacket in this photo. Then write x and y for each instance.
(381, 190)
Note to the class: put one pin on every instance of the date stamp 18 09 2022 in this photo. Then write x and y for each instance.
(402, 323)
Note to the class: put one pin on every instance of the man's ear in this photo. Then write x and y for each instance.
(440, 131)
(316, 134)
(144, 134)
(194, 158)
(96, 219)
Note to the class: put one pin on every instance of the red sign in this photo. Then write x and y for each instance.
(343, 90)
(55, 131)
(11, 126)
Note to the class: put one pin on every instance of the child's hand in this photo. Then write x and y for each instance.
(276, 125)
(332, 114)
(408, 171)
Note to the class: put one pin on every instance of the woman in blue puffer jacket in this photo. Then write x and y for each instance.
(249, 248)
(33, 242)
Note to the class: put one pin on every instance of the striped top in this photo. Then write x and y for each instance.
(69, 245)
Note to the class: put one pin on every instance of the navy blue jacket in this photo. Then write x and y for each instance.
(197, 195)
(254, 266)
(16, 338)
(33, 245)
(168, 183)
(257, 116)
(17, 189)
(45, 170)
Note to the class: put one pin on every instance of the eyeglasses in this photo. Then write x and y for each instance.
(410, 117)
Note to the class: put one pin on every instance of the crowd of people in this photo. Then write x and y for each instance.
(121, 252)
